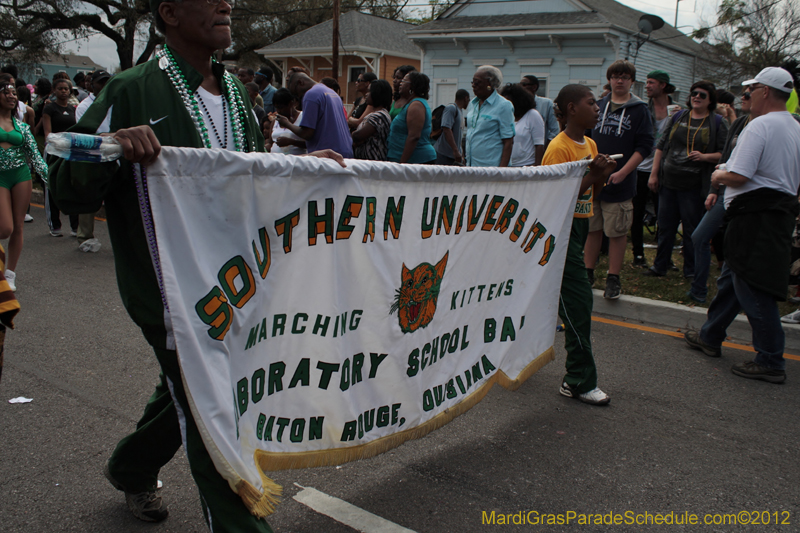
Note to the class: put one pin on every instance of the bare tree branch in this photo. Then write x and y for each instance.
(750, 35)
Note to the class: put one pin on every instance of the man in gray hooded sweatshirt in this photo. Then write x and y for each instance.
(625, 127)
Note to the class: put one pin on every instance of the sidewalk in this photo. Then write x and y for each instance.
(673, 316)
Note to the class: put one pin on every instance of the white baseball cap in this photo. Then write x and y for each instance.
(774, 77)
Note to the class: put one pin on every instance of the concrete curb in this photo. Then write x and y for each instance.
(670, 315)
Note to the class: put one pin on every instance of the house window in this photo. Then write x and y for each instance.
(38, 71)
(595, 85)
(638, 89)
(444, 91)
(355, 72)
(543, 82)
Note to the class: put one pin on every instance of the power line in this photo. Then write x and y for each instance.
(649, 5)
(718, 24)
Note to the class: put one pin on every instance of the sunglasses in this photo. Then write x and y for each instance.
(698, 94)
(746, 96)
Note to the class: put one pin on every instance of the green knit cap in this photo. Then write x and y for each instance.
(662, 76)
(659, 75)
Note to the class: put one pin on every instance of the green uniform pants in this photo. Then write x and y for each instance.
(575, 309)
(139, 456)
(85, 227)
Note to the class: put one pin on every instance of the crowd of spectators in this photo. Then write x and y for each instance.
(668, 151)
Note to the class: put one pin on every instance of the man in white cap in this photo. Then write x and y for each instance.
(762, 176)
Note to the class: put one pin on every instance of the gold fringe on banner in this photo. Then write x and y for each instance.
(264, 504)
(258, 503)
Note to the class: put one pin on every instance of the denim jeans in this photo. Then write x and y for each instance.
(701, 239)
(733, 295)
(676, 207)
(639, 209)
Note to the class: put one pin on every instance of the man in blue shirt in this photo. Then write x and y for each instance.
(545, 108)
(324, 123)
(448, 146)
(264, 78)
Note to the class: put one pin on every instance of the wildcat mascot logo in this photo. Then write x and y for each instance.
(415, 300)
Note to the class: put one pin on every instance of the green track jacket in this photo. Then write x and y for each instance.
(142, 95)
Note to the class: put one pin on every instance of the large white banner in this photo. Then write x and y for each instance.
(325, 314)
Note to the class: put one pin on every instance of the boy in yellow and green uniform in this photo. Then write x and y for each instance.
(579, 108)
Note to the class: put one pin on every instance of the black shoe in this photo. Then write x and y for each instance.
(693, 339)
(590, 275)
(694, 298)
(752, 370)
(672, 266)
(640, 261)
(650, 273)
(145, 506)
(613, 287)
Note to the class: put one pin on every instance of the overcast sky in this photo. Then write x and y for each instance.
(690, 13)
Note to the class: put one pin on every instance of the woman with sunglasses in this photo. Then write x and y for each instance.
(686, 155)
(360, 107)
(709, 227)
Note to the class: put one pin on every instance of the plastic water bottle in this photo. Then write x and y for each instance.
(82, 147)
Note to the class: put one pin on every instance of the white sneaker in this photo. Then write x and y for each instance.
(791, 318)
(73, 233)
(90, 245)
(28, 217)
(592, 397)
(11, 278)
(56, 233)
(595, 397)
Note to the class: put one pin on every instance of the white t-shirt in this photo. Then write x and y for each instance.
(21, 110)
(214, 107)
(279, 131)
(768, 154)
(83, 106)
(529, 133)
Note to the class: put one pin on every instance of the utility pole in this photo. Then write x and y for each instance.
(335, 54)
(677, 2)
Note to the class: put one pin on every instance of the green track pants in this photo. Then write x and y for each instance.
(575, 309)
(139, 456)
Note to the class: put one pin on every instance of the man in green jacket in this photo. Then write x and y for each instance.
(181, 98)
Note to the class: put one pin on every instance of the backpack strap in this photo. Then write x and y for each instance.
(675, 119)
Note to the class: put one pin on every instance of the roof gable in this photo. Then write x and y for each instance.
(628, 18)
(536, 15)
(357, 30)
(65, 60)
(468, 8)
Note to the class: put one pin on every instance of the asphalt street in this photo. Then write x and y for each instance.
(682, 434)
